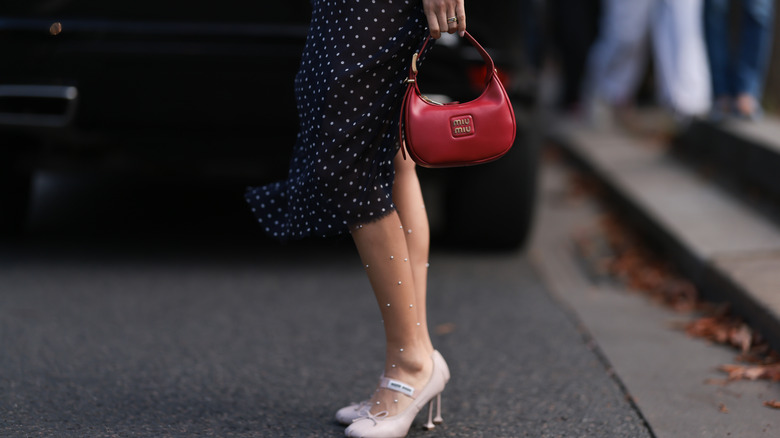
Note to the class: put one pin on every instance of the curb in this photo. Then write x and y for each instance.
(748, 152)
(731, 252)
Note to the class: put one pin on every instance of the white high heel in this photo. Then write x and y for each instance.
(397, 426)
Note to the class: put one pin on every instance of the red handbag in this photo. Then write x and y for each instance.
(457, 134)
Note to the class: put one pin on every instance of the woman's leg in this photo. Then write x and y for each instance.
(408, 200)
(383, 249)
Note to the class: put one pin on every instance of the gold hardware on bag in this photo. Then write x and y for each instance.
(428, 99)
(414, 63)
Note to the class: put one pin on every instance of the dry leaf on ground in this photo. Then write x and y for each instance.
(444, 329)
(774, 404)
(753, 372)
(723, 329)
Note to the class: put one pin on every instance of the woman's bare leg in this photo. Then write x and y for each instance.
(383, 249)
(408, 199)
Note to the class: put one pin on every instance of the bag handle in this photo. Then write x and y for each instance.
(491, 67)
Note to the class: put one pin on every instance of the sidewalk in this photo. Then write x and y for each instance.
(269, 342)
(671, 378)
(729, 248)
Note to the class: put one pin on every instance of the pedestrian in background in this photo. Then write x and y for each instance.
(573, 27)
(738, 70)
(347, 175)
(619, 56)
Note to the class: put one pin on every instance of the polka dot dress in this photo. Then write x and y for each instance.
(348, 92)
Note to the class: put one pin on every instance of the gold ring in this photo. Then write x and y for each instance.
(452, 20)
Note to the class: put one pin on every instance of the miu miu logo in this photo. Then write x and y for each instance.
(462, 125)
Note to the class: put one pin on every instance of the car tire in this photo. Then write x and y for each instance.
(491, 206)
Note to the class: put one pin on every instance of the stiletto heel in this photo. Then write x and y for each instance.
(438, 419)
(429, 425)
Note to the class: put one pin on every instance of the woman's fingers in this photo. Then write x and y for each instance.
(431, 9)
(433, 26)
(460, 14)
(439, 14)
(442, 17)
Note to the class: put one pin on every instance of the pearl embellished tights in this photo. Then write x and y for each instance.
(394, 251)
(407, 196)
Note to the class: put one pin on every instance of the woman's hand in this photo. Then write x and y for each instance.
(440, 14)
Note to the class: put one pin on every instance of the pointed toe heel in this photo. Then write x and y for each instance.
(381, 425)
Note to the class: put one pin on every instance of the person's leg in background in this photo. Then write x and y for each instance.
(619, 56)
(716, 32)
(531, 30)
(682, 71)
(573, 29)
(754, 49)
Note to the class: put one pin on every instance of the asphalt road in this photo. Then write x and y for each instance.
(155, 310)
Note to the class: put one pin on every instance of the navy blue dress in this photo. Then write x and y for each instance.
(348, 92)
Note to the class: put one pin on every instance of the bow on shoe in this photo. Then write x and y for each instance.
(372, 417)
(360, 406)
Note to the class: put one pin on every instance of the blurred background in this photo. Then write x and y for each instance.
(185, 94)
(139, 297)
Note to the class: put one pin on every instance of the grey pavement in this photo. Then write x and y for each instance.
(148, 336)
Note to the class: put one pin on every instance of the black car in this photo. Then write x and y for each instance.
(196, 89)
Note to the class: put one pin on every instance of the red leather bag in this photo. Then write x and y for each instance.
(457, 134)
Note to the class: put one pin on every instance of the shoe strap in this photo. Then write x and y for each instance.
(397, 385)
